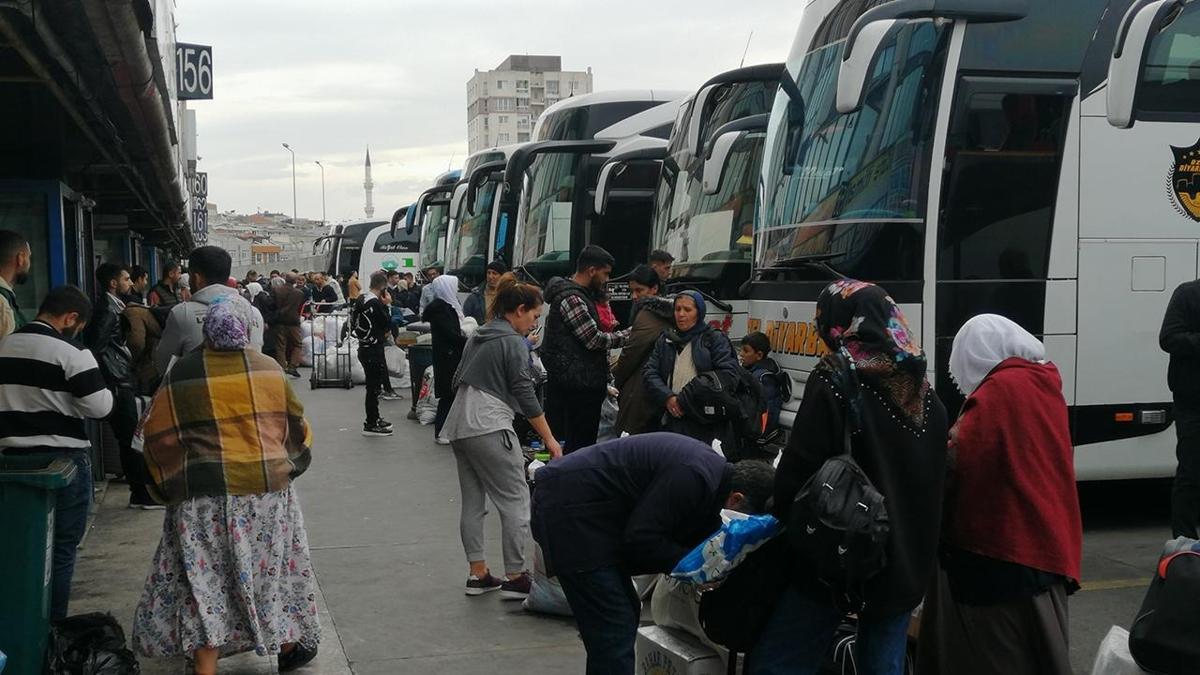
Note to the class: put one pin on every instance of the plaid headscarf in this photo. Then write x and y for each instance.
(225, 423)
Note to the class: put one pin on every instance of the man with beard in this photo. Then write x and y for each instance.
(49, 418)
(15, 259)
(575, 350)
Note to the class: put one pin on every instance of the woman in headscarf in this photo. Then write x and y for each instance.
(873, 366)
(224, 438)
(444, 314)
(690, 349)
(1011, 542)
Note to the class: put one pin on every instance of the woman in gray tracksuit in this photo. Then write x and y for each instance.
(493, 383)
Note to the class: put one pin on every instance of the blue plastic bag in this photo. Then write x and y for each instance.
(3, 660)
(718, 555)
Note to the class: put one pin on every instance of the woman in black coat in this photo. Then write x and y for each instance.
(444, 315)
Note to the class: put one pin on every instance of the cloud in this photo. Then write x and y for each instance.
(330, 79)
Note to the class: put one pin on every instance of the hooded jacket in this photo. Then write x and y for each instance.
(184, 331)
(567, 360)
(767, 373)
(496, 361)
(636, 413)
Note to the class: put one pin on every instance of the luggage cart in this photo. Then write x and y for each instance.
(331, 363)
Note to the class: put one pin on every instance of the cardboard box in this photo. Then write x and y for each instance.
(663, 651)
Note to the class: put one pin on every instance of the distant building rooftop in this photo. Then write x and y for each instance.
(532, 63)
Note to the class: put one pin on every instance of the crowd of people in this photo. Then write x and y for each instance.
(983, 519)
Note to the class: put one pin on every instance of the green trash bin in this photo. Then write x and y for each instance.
(27, 500)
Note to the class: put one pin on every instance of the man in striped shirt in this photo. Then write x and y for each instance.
(49, 385)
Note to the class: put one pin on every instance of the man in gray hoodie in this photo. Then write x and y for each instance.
(208, 270)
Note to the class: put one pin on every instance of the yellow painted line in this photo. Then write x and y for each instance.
(1114, 584)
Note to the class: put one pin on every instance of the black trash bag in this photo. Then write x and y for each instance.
(90, 644)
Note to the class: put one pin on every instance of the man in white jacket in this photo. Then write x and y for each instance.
(208, 269)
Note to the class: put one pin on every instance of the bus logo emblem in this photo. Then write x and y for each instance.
(1185, 181)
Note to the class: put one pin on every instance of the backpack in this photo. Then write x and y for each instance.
(360, 324)
(1165, 635)
(839, 521)
(722, 397)
(90, 644)
(783, 383)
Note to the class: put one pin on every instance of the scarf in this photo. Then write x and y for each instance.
(682, 338)
(1012, 494)
(861, 319)
(224, 423)
(982, 343)
(445, 288)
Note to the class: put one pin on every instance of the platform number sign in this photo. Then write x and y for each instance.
(200, 213)
(193, 71)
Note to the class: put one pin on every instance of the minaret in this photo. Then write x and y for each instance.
(369, 186)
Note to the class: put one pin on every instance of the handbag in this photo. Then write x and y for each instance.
(1165, 635)
(839, 521)
(734, 614)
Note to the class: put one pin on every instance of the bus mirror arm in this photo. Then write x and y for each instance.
(616, 164)
(716, 154)
(1143, 19)
(872, 28)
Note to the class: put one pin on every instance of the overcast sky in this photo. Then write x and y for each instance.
(332, 77)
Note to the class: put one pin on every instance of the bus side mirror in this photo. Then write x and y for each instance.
(718, 158)
(456, 199)
(608, 173)
(410, 221)
(1143, 18)
(856, 64)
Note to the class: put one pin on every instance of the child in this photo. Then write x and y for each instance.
(608, 321)
(754, 353)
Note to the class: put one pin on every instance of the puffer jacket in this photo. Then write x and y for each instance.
(636, 413)
(711, 352)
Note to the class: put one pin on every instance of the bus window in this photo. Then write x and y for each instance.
(1170, 81)
(546, 232)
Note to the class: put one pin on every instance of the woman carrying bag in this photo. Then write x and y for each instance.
(444, 314)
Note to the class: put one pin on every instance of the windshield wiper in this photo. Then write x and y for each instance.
(673, 286)
(817, 260)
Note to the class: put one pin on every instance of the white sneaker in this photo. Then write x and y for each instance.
(441, 441)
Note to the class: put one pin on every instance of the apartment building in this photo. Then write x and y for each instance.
(504, 103)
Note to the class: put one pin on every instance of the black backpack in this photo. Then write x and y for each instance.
(725, 397)
(1165, 635)
(839, 521)
(360, 325)
(90, 644)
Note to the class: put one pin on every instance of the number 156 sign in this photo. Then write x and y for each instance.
(193, 71)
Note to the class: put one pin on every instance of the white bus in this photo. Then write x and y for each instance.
(1034, 159)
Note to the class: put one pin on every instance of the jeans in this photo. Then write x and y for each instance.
(800, 633)
(70, 522)
(124, 421)
(574, 415)
(374, 366)
(607, 612)
(1185, 492)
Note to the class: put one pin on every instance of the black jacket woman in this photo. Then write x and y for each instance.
(899, 440)
(680, 355)
(444, 315)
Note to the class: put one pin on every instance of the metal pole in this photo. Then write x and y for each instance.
(289, 149)
(322, 194)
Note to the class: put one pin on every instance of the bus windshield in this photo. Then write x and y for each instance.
(711, 235)
(854, 186)
(544, 248)
(433, 243)
(467, 252)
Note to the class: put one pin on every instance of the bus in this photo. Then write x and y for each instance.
(429, 219)
(549, 185)
(1027, 159)
(367, 246)
(705, 218)
(471, 244)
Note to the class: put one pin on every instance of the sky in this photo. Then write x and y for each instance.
(331, 78)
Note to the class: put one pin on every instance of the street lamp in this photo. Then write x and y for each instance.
(318, 163)
(289, 149)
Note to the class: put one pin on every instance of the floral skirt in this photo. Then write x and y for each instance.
(233, 573)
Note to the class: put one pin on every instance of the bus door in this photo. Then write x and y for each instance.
(1003, 161)
(1139, 223)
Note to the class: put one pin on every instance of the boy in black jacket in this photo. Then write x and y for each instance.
(755, 353)
(632, 506)
(371, 323)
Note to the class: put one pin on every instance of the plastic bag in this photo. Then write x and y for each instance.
(90, 643)
(545, 594)
(716, 557)
(608, 419)
(397, 361)
(1113, 657)
(427, 402)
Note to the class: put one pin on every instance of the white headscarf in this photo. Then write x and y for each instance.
(445, 288)
(983, 342)
(254, 288)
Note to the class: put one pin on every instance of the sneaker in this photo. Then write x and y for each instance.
(480, 585)
(145, 504)
(385, 423)
(293, 372)
(376, 429)
(391, 396)
(516, 589)
(441, 441)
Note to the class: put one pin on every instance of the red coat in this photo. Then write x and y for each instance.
(1013, 494)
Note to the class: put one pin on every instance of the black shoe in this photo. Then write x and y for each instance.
(376, 429)
(297, 658)
(145, 504)
(384, 423)
(293, 372)
(412, 415)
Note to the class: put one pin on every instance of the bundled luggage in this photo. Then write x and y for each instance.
(1165, 635)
